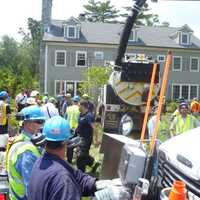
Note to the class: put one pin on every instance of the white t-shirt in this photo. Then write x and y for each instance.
(49, 110)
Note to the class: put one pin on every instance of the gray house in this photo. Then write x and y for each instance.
(71, 46)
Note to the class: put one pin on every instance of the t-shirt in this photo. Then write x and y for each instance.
(54, 179)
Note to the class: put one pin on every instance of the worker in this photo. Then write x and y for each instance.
(195, 107)
(184, 121)
(52, 178)
(35, 94)
(20, 100)
(90, 104)
(22, 153)
(4, 113)
(67, 102)
(176, 112)
(85, 130)
(72, 115)
(49, 110)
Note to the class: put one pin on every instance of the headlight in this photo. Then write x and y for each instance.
(126, 125)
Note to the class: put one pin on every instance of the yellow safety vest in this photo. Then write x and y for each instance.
(3, 117)
(20, 145)
(184, 125)
(73, 114)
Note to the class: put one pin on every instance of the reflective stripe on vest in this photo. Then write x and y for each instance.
(184, 125)
(3, 118)
(73, 114)
(16, 185)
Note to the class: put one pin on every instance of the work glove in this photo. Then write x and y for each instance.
(101, 184)
(113, 193)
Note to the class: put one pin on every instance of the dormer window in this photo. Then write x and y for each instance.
(185, 38)
(71, 32)
(133, 36)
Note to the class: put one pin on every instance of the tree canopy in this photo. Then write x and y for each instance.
(19, 61)
(100, 11)
(144, 17)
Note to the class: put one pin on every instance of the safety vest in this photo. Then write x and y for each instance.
(3, 117)
(73, 114)
(195, 106)
(184, 125)
(21, 144)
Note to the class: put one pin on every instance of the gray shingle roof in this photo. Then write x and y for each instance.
(107, 33)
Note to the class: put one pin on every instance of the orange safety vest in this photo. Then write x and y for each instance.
(195, 106)
(3, 116)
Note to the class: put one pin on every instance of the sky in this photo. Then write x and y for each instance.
(14, 13)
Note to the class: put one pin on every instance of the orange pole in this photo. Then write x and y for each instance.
(155, 66)
(162, 93)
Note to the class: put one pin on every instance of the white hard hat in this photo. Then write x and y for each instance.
(34, 93)
(3, 140)
(31, 101)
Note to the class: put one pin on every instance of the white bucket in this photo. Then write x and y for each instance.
(3, 140)
(164, 195)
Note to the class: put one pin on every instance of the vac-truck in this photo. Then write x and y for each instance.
(124, 98)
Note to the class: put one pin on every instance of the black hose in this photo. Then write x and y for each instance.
(127, 30)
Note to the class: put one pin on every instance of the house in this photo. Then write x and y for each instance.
(71, 46)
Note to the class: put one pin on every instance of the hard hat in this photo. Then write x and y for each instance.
(68, 95)
(57, 129)
(31, 101)
(32, 113)
(85, 96)
(52, 100)
(183, 105)
(3, 94)
(76, 98)
(34, 93)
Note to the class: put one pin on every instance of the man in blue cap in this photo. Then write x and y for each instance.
(22, 153)
(53, 178)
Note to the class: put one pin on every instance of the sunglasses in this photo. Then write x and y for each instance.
(39, 121)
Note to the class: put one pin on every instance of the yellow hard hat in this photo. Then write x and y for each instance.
(85, 96)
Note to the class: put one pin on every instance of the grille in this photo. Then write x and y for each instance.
(168, 173)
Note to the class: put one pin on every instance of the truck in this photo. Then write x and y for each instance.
(124, 98)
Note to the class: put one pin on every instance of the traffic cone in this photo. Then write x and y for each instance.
(178, 191)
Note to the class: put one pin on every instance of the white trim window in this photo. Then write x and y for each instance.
(68, 86)
(60, 58)
(194, 64)
(185, 38)
(161, 58)
(133, 36)
(71, 32)
(177, 63)
(187, 91)
(81, 58)
(99, 55)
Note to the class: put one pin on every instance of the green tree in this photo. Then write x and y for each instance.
(100, 11)
(144, 17)
(94, 77)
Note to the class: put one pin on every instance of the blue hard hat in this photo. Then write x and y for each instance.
(3, 94)
(57, 129)
(32, 113)
(76, 98)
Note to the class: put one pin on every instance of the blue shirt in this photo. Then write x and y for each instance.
(54, 179)
(85, 128)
